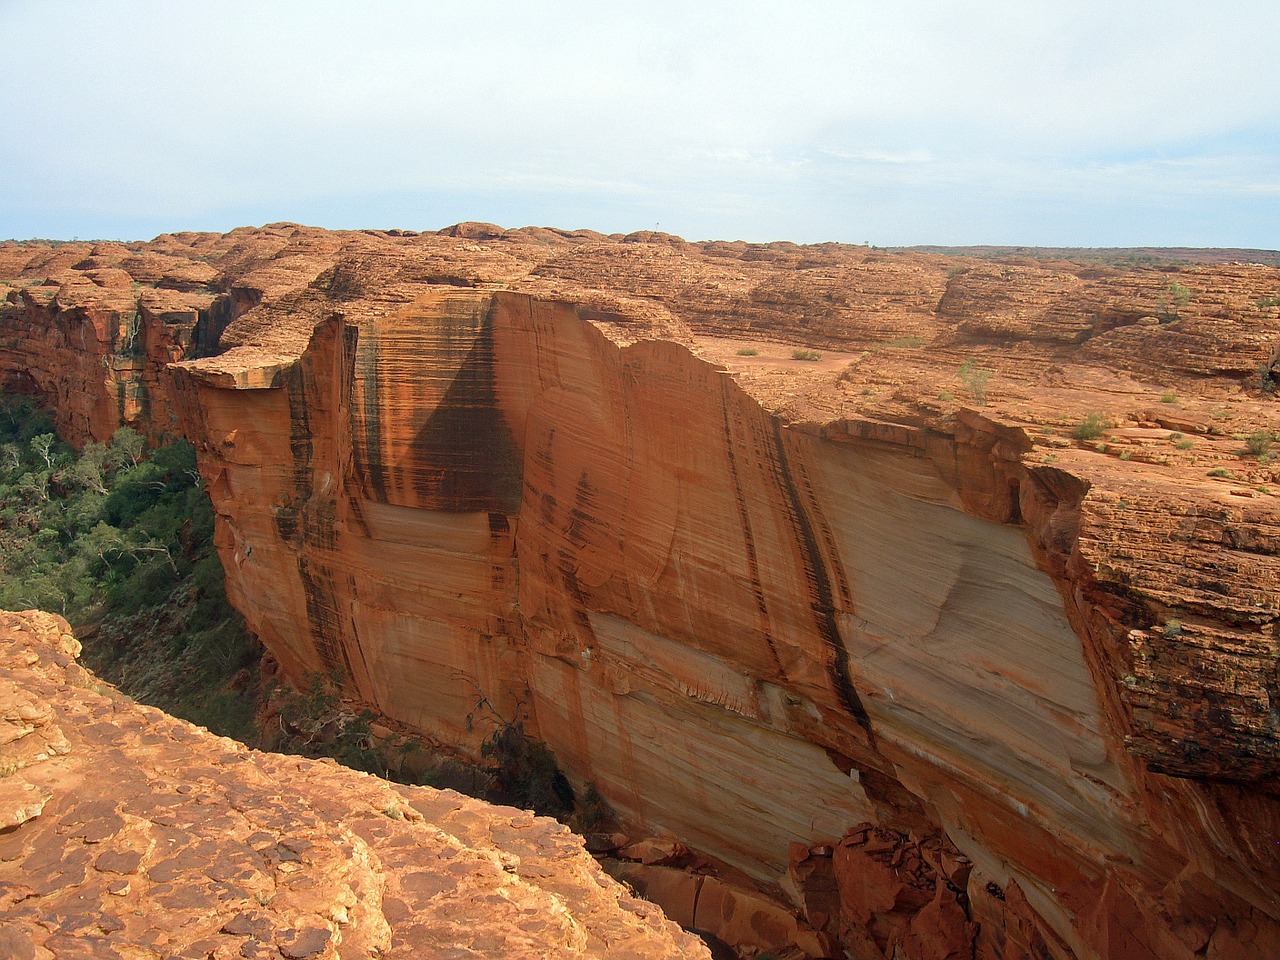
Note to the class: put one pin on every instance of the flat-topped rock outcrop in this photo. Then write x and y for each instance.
(894, 554)
(125, 833)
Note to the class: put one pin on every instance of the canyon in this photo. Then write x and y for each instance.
(914, 605)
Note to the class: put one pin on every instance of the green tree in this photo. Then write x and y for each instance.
(43, 446)
(129, 445)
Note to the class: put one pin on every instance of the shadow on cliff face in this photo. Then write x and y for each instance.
(464, 458)
(719, 949)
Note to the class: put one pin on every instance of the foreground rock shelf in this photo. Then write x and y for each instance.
(126, 833)
(953, 681)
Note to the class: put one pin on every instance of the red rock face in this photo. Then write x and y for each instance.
(762, 601)
(124, 832)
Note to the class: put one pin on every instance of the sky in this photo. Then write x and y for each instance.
(895, 122)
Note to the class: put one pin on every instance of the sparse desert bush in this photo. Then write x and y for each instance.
(1259, 443)
(1175, 297)
(1169, 396)
(975, 378)
(1091, 427)
(1184, 444)
(1221, 472)
(748, 352)
(593, 809)
(805, 355)
(1266, 377)
(527, 771)
(1172, 628)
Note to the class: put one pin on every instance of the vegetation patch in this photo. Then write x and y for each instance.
(526, 772)
(748, 352)
(1174, 298)
(975, 378)
(1091, 427)
(805, 355)
(315, 722)
(121, 544)
(1259, 443)
(1266, 378)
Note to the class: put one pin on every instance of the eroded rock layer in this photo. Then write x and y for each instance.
(875, 602)
(126, 833)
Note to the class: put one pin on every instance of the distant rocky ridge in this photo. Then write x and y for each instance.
(963, 571)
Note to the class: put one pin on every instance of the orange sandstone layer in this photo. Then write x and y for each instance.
(126, 833)
(772, 605)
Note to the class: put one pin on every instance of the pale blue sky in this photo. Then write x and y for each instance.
(1083, 123)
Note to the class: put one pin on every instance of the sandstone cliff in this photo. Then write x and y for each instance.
(872, 628)
(125, 833)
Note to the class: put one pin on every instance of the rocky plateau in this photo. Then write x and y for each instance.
(918, 606)
(125, 833)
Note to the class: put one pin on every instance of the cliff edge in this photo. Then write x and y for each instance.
(126, 833)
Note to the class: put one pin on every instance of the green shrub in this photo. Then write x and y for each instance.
(975, 378)
(1259, 443)
(805, 355)
(1174, 298)
(593, 810)
(527, 772)
(1091, 427)
(1169, 396)
(1266, 377)
(148, 585)
(748, 352)
(1221, 472)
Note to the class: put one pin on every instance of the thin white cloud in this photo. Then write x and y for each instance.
(904, 158)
